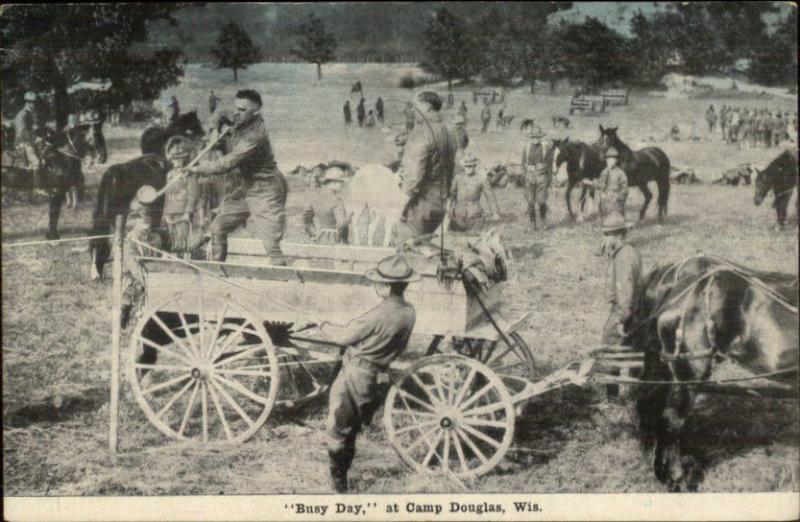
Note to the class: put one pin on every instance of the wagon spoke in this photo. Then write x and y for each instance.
(157, 367)
(254, 373)
(241, 389)
(167, 351)
(489, 408)
(189, 409)
(417, 427)
(481, 422)
(423, 438)
(465, 386)
(459, 451)
(417, 413)
(480, 393)
(425, 388)
(445, 397)
(231, 337)
(479, 434)
(446, 451)
(172, 335)
(433, 447)
(405, 395)
(167, 384)
(195, 350)
(172, 401)
(221, 414)
(472, 445)
(217, 329)
(240, 355)
(204, 400)
(238, 409)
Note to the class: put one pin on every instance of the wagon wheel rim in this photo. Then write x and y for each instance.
(449, 415)
(515, 359)
(215, 375)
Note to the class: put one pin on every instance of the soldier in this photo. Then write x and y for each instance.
(348, 114)
(374, 340)
(410, 117)
(325, 219)
(462, 110)
(537, 161)
(612, 184)
(427, 170)
(171, 111)
(486, 117)
(25, 123)
(213, 101)
(451, 100)
(711, 118)
(136, 245)
(464, 206)
(460, 132)
(180, 201)
(623, 272)
(370, 121)
(361, 112)
(379, 109)
(259, 197)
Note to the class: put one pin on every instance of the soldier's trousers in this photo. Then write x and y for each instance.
(536, 191)
(261, 209)
(422, 215)
(612, 203)
(354, 398)
(613, 328)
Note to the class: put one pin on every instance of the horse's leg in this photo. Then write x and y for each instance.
(57, 197)
(647, 197)
(781, 205)
(663, 183)
(567, 197)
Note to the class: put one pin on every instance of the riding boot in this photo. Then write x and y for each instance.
(219, 247)
(338, 470)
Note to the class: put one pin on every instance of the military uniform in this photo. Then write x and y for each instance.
(24, 124)
(486, 118)
(467, 213)
(613, 185)
(427, 167)
(136, 245)
(258, 195)
(374, 340)
(537, 160)
(623, 272)
(325, 218)
(180, 202)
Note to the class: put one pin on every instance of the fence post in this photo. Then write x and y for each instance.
(116, 306)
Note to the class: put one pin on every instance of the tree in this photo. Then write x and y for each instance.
(774, 58)
(595, 54)
(448, 48)
(316, 44)
(50, 50)
(234, 49)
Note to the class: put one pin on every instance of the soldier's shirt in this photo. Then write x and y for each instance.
(613, 181)
(623, 272)
(248, 149)
(23, 127)
(466, 192)
(380, 335)
(429, 158)
(536, 158)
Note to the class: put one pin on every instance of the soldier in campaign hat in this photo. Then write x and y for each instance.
(372, 341)
(612, 184)
(537, 160)
(464, 206)
(180, 201)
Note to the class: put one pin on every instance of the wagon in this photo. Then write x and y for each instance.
(218, 347)
(615, 96)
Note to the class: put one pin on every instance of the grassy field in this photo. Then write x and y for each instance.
(56, 330)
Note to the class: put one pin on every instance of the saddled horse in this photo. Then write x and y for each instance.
(780, 178)
(641, 167)
(61, 156)
(154, 139)
(118, 187)
(688, 317)
(583, 162)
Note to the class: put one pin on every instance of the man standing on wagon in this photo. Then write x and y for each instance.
(374, 340)
(427, 170)
(260, 199)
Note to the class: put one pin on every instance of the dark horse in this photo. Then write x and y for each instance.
(641, 167)
(118, 187)
(690, 315)
(780, 177)
(61, 156)
(583, 162)
(155, 138)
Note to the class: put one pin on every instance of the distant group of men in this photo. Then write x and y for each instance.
(750, 127)
(365, 118)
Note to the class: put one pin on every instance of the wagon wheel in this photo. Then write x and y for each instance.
(449, 414)
(209, 375)
(516, 359)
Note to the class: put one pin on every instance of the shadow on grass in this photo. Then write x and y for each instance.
(56, 408)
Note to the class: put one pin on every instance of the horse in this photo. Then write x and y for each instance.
(118, 187)
(740, 174)
(61, 155)
(583, 162)
(780, 177)
(641, 167)
(155, 138)
(690, 315)
(562, 121)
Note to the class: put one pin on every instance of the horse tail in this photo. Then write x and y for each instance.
(100, 248)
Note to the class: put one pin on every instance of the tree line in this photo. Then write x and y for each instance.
(691, 38)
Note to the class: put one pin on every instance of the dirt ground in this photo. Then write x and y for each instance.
(56, 330)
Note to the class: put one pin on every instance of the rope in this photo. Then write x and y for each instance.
(193, 266)
(54, 241)
(631, 380)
